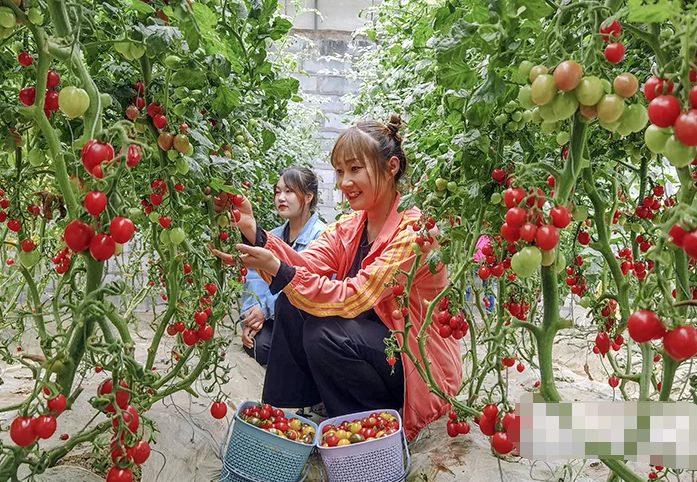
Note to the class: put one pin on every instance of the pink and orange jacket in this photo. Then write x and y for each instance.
(314, 291)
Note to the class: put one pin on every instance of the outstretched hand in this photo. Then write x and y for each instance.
(242, 213)
(260, 259)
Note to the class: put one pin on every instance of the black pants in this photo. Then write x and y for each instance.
(335, 360)
(262, 343)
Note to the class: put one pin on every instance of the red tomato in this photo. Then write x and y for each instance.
(51, 101)
(122, 396)
(451, 427)
(44, 426)
(218, 410)
(205, 333)
(129, 419)
(159, 121)
(28, 96)
(95, 202)
(190, 337)
(119, 475)
(28, 245)
(568, 75)
(602, 341)
(57, 405)
(22, 432)
(102, 247)
(513, 196)
(484, 272)
(463, 428)
(686, 128)
(560, 217)
(133, 156)
(14, 225)
(52, 79)
(664, 110)
(613, 382)
(121, 229)
(140, 88)
(644, 325)
(584, 238)
(78, 236)
(487, 426)
(165, 222)
(614, 29)
(681, 343)
(515, 217)
(153, 109)
(693, 97)
(490, 411)
(25, 59)
(656, 86)
(510, 233)
(614, 53)
(94, 153)
(501, 444)
(547, 237)
(508, 419)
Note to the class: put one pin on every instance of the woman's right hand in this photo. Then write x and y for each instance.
(242, 215)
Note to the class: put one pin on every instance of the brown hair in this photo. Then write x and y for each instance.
(301, 181)
(374, 144)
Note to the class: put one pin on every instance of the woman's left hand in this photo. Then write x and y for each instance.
(259, 259)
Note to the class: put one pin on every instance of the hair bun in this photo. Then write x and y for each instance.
(395, 124)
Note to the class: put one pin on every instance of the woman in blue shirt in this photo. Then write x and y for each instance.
(295, 197)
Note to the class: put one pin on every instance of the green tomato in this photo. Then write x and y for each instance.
(580, 213)
(495, 198)
(527, 116)
(609, 126)
(677, 153)
(73, 101)
(549, 257)
(547, 112)
(5, 32)
(637, 228)
(548, 127)
(543, 89)
(655, 138)
(441, 184)
(135, 214)
(172, 155)
(36, 157)
(7, 18)
(565, 105)
(223, 220)
(524, 68)
(29, 259)
(561, 262)
(190, 151)
(154, 217)
(501, 119)
(182, 166)
(607, 86)
(164, 236)
(180, 109)
(584, 302)
(510, 107)
(35, 16)
(172, 170)
(177, 235)
(124, 48)
(517, 116)
(562, 138)
(106, 100)
(173, 62)
(136, 51)
(452, 186)
(610, 108)
(526, 261)
(18, 47)
(589, 90)
(536, 115)
(513, 126)
(639, 116)
(622, 128)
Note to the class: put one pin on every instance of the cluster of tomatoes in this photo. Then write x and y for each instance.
(639, 268)
(126, 447)
(494, 425)
(680, 343)
(517, 309)
(24, 431)
(602, 339)
(556, 97)
(530, 226)
(574, 276)
(71, 100)
(673, 129)
(202, 330)
(448, 324)
(364, 430)
(614, 51)
(80, 236)
(274, 421)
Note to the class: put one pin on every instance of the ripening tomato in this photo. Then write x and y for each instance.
(610, 108)
(589, 91)
(536, 71)
(626, 84)
(567, 75)
(644, 326)
(608, 29)
(664, 110)
(119, 475)
(543, 89)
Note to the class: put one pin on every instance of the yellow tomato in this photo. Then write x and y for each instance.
(355, 427)
(342, 442)
(342, 434)
(295, 424)
(309, 430)
(380, 434)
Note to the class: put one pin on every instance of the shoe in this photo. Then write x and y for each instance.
(316, 413)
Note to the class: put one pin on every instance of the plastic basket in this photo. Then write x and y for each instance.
(381, 460)
(255, 455)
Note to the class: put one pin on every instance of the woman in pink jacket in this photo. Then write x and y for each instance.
(337, 303)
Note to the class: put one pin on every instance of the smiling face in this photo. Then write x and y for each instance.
(356, 182)
(288, 203)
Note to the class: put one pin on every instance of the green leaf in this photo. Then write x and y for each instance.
(647, 13)
(406, 201)
(490, 90)
(187, 24)
(225, 100)
(142, 7)
(456, 75)
(200, 138)
(281, 88)
(159, 38)
(534, 9)
(193, 79)
(219, 185)
(280, 27)
(268, 139)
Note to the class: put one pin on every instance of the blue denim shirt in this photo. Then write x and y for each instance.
(257, 286)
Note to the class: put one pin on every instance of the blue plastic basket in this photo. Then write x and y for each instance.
(255, 455)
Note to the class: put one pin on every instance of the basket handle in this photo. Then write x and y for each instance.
(401, 478)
